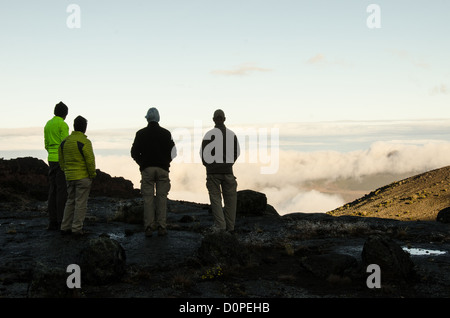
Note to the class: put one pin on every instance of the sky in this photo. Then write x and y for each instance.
(262, 61)
(353, 88)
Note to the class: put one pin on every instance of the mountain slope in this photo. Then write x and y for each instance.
(419, 197)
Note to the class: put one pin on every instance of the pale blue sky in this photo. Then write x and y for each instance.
(262, 61)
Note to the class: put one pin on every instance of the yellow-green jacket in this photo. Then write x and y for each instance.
(55, 131)
(76, 157)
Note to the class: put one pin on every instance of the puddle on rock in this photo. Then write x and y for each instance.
(116, 236)
(422, 251)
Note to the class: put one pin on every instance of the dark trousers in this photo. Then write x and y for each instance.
(57, 194)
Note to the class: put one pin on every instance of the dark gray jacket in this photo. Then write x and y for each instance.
(220, 150)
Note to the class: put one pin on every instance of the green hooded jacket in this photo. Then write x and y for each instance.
(55, 131)
(76, 157)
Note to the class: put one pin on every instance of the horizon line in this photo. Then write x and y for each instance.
(273, 124)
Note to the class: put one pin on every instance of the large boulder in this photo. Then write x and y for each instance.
(444, 215)
(130, 212)
(49, 282)
(23, 179)
(394, 262)
(253, 203)
(103, 261)
(117, 187)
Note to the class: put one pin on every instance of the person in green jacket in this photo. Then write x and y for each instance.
(77, 160)
(55, 131)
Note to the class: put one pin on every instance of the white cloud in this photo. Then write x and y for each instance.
(288, 190)
(241, 70)
(320, 59)
(387, 148)
(312, 201)
(316, 59)
(440, 89)
(408, 57)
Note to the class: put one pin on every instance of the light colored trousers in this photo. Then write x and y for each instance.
(226, 185)
(155, 186)
(76, 204)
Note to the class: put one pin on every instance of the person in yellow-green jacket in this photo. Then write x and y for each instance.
(55, 131)
(77, 160)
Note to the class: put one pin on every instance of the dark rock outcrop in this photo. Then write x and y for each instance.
(49, 282)
(253, 203)
(103, 261)
(25, 179)
(395, 264)
(443, 215)
(118, 187)
(131, 212)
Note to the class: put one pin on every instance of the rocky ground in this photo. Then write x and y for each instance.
(295, 256)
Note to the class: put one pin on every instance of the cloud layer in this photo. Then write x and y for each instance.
(288, 190)
(310, 157)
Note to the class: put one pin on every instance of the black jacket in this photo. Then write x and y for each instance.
(153, 147)
(219, 155)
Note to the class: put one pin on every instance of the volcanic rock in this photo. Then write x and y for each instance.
(395, 263)
(253, 203)
(103, 261)
(48, 282)
(443, 215)
(25, 179)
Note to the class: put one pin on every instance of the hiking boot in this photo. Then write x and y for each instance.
(232, 232)
(53, 227)
(148, 232)
(213, 230)
(162, 231)
(66, 232)
(80, 233)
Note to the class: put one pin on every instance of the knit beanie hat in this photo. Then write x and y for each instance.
(61, 110)
(80, 124)
(152, 115)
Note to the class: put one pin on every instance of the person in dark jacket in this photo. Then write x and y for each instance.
(153, 150)
(220, 150)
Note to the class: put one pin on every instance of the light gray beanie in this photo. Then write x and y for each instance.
(152, 115)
